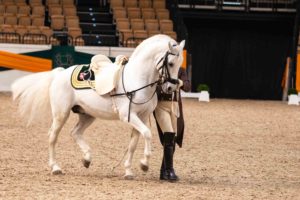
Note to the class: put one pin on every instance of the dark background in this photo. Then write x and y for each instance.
(239, 58)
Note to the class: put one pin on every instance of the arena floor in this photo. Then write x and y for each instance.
(233, 149)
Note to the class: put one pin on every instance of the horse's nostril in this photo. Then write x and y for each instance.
(169, 89)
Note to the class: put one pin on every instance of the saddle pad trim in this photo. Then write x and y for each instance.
(77, 84)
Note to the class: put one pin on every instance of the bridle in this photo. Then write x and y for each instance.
(163, 78)
(165, 75)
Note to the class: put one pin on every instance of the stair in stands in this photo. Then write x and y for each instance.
(97, 25)
(92, 3)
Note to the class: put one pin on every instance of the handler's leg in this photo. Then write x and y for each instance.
(165, 121)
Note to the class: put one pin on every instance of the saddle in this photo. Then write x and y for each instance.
(101, 74)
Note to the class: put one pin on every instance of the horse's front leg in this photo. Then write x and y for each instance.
(83, 122)
(131, 148)
(139, 125)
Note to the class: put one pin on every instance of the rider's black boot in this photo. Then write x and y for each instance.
(163, 172)
(167, 171)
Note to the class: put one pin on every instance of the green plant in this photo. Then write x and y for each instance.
(292, 91)
(202, 87)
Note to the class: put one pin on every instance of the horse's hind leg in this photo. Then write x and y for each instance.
(57, 124)
(83, 122)
(131, 148)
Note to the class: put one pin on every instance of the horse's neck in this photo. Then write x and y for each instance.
(139, 74)
(141, 69)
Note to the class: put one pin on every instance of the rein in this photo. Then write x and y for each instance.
(161, 80)
(130, 94)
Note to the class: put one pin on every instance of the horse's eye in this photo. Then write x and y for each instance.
(171, 64)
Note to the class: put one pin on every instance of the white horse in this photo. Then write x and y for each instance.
(156, 59)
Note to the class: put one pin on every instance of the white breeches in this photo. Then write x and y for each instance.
(166, 114)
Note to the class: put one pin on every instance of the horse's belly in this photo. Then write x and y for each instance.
(100, 114)
(96, 105)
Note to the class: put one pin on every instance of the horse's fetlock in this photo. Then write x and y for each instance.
(147, 134)
(127, 164)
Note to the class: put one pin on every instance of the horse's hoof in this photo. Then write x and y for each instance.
(86, 163)
(56, 170)
(145, 168)
(129, 177)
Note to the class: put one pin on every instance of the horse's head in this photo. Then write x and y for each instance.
(168, 66)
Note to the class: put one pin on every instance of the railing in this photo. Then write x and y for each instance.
(28, 38)
(6, 37)
(133, 41)
(57, 39)
(246, 5)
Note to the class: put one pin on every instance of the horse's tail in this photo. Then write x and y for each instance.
(32, 93)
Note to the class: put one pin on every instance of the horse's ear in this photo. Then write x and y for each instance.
(182, 43)
(170, 46)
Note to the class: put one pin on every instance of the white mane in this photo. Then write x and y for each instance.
(157, 42)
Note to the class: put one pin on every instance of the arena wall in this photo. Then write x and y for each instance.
(7, 77)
